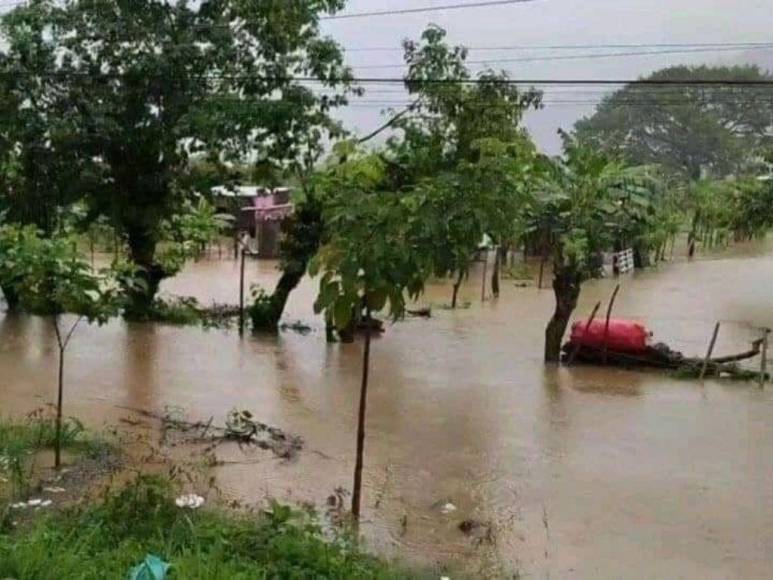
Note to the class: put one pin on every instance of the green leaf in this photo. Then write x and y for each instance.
(377, 299)
(342, 313)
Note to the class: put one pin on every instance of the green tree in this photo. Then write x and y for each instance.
(146, 84)
(39, 170)
(372, 260)
(464, 140)
(752, 208)
(441, 143)
(729, 209)
(689, 128)
(51, 279)
(583, 207)
(302, 237)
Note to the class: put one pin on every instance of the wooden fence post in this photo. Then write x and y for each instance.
(241, 293)
(710, 351)
(576, 348)
(764, 360)
(606, 324)
(485, 273)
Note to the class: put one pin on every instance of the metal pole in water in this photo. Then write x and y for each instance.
(764, 360)
(710, 351)
(485, 273)
(241, 294)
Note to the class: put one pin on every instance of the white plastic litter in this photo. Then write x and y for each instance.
(54, 489)
(448, 508)
(33, 503)
(190, 501)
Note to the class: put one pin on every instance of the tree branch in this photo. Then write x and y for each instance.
(389, 123)
(72, 330)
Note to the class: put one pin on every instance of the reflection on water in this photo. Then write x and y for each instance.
(582, 472)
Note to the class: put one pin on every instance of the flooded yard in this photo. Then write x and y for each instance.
(557, 472)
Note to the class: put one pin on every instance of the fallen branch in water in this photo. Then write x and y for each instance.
(240, 427)
(662, 356)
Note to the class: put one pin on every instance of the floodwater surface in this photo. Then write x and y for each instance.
(567, 472)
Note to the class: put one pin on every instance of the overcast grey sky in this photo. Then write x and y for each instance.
(554, 22)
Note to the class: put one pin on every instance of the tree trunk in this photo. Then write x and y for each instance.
(495, 272)
(59, 404)
(457, 285)
(357, 490)
(62, 344)
(142, 250)
(11, 296)
(691, 237)
(566, 286)
(641, 257)
(269, 317)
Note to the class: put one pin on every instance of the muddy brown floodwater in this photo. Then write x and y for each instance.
(577, 472)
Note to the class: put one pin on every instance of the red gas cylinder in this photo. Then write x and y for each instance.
(622, 336)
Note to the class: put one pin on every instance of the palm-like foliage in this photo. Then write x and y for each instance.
(589, 202)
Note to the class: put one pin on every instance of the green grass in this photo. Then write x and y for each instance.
(20, 441)
(107, 539)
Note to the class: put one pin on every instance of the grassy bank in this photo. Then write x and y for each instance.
(22, 444)
(104, 537)
(107, 539)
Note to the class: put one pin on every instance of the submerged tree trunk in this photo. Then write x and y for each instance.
(495, 273)
(11, 296)
(302, 238)
(566, 286)
(457, 285)
(692, 236)
(641, 257)
(142, 250)
(266, 316)
(357, 490)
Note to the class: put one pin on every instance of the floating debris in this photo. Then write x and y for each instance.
(425, 312)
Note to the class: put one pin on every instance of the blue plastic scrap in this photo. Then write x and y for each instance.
(152, 568)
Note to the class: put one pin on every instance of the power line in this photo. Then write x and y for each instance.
(423, 9)
(584, 56)
(416, 82)
(536, 47)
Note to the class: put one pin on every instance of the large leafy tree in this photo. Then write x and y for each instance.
(40, 171)
(460, 144)
(146, 84)
(692, 129)
(464, 142)
(452, 109)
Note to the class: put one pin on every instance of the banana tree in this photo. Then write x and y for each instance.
(585, 204)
